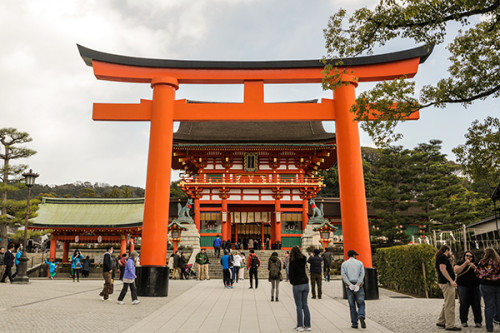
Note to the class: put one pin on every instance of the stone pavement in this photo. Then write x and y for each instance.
(65, 306)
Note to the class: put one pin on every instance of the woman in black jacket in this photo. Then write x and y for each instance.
(300, 282)
(468, 289)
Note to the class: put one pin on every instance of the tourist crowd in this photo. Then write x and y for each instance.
(473, 279)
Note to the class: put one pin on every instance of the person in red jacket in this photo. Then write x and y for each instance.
(253, 264)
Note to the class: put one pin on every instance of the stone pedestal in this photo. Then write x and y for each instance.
(152, 281)
(370, 284)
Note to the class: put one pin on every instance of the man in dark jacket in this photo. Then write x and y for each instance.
(8, 261)
(2, 265)
(107, 270)
(327, 264)
(315, 262)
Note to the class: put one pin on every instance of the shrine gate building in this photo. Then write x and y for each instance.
(252, 179)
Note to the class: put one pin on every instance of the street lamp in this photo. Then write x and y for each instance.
(22, 276)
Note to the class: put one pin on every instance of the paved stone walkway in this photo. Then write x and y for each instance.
(65, 306)
(208, 307)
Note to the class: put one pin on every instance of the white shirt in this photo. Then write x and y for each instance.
(237, 260)
(352, 271)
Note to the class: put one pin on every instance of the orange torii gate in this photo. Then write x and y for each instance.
(165, 76)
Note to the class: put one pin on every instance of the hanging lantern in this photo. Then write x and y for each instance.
(77, 239)
(99, 239)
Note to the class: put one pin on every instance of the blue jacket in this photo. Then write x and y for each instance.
(75, 260)
(225, 261)
(217, 242)
(18, 255)
(52, 265)
(129, 269)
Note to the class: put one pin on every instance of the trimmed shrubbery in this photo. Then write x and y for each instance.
(403, 268)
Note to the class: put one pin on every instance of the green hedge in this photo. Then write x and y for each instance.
(400, 268)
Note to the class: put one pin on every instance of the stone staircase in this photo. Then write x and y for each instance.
(215, 268)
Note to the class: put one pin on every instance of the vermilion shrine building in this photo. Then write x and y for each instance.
(252, 179)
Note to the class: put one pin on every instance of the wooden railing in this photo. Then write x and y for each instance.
(257, 179)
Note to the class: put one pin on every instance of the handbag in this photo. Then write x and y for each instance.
(111, 287)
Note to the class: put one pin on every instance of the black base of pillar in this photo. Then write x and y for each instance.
(152, 281)
(370, 285)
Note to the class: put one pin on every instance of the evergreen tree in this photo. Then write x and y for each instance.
(10, 140)
(392, 198)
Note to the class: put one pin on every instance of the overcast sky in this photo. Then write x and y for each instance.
(48, 91)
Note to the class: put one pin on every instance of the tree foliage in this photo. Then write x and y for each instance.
(479, 157)
(474, 71)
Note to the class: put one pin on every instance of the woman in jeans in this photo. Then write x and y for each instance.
(300, 282)
(488, 270)
(468, 289)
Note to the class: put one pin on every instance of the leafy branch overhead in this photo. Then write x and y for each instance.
(474, 71)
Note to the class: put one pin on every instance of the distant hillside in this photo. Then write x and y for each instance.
(81, 190)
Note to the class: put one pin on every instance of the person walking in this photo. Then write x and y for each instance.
(2, 265)
(217, 245)
(236, 267)
(107, 270)
(16, 260)
(447, 284)
(177, 270)
(182, 266)
(242, 266)
(8, 261)
(253, 265)
(315, 269)
(353, 273)
(52, 268)
(468, 289)
(488, 270)
(121, 264)
(327, 264)
(225, 262)
(76, 265)
(202, 265)
(250, 244)
(86, 267)
(300, 283)
(129, 280)
(274, 267)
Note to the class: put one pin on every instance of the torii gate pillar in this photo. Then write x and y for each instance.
(353, 209)
(153, 275)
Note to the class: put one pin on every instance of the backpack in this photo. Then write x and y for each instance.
(274, 270)
(255, 262)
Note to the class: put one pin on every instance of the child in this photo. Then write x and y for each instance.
(52, 267)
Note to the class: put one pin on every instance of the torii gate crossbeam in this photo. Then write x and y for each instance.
(165, 77)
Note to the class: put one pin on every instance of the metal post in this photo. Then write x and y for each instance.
(465, 238)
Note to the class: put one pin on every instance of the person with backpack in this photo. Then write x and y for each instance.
(217, 245)
(253, 268)
(274, 267)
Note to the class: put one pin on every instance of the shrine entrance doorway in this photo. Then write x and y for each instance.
(242, 232)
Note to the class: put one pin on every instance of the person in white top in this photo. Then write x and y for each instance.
(353, 273)
(236, 266)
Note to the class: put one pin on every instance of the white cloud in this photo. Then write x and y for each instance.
(48, 91)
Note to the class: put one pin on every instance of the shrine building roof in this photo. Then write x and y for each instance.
(273, 132)
(89, 212)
